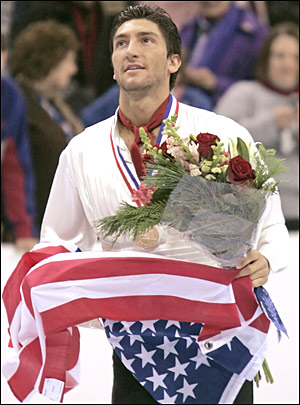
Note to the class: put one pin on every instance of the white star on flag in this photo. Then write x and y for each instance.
(187, 390)
(189, 341)
(146, 356)
(229, 346)
(148, 325)
(168, 347)
(127, 363)
(170, 323)
(133, 338)
(115, 340)
(200, 359)
(179, 368)
(126, 326)
(110, 323)
(157, 380)
(167, 399)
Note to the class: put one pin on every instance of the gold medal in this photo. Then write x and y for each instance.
(148, 239)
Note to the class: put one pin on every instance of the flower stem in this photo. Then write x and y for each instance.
(257, 379)
(268, 375)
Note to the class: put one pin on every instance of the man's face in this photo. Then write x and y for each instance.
(139, 57)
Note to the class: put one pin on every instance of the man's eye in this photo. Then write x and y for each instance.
(120, 43)
(147, 40)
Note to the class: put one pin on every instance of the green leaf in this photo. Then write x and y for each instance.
(160, 194)
(242, 149)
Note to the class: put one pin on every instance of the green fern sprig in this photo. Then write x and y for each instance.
(163, 175)
(130, 220)
(267, 167)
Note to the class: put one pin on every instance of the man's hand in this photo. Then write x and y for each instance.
(256, 266)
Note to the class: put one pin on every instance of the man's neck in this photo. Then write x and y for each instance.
(139, 110)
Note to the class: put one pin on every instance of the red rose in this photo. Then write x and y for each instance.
(205, 142)
(164, 148)
(239, 171)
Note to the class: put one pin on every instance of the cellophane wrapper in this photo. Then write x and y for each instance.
(219, 219)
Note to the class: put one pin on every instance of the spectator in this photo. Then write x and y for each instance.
(219, 48)
(17, 180)
(277, 11)
(91, 26)
(269, 107)
(43, 62)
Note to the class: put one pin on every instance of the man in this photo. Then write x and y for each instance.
(155, 361)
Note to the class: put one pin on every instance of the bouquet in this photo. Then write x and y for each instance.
(213, 197)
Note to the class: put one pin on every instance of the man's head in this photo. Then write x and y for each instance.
(165, 26)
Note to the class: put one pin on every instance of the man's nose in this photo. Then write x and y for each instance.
(132, 48)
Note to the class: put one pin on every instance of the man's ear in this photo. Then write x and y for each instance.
(174, 63)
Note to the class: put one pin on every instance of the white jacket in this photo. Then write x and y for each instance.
(88, 186)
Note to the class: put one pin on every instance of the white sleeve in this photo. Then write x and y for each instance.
(273, 241)
(65, 221)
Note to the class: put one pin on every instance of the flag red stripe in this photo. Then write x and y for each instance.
(261, 323)
(57, 357)
(23, 380)
(89, 268)
(138, 308)
(77, 269)
(244, 296)
(27, 261)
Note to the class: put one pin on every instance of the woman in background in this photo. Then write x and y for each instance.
(43, 61)
(269, 108)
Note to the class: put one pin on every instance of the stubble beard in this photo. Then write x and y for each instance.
(138, 87)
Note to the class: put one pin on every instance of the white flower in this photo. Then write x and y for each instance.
(194, 151)
(194, 170)
(171, 142)
(216, 170)
(210, 177)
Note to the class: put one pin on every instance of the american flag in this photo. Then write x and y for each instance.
(188, 332)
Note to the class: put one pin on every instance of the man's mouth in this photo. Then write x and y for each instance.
(133, 67)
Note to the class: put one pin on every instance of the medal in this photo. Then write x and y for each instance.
(148, 239)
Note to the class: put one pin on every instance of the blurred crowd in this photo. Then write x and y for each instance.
(239, 59)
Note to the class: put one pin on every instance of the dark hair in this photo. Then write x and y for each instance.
(40, 47)
(262, 61)
(159, 17)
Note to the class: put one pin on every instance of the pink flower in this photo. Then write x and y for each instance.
(143, 195)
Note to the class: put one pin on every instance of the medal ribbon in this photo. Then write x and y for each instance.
(154, 121)
(129, 177)
(267, 304)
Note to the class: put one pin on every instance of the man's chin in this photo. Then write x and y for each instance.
(134, 87)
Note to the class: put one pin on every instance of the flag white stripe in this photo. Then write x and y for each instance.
(51, 295)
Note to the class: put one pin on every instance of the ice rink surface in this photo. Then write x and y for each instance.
(95, 355)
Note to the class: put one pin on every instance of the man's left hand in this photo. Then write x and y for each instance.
(256, 266)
